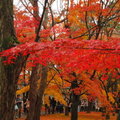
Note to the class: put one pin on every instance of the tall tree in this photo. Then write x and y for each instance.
(8, 73)
(38, 77)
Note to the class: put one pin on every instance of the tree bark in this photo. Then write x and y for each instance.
(8, 73)
(43, 82)
(38, 78)
(66, 111)
(75, 102)
(8, 76)
(33, 93)
(37, 87)
(118, 115)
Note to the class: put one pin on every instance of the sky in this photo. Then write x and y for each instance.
(56, 6)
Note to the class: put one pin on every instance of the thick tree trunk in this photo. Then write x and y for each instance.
(7, 93)
(8, 73)
(37, 88)
(74, 110)
(41, 91)
(75, 101)
(33, 93)
(38, 79)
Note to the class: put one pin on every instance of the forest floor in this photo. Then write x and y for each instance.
(82, 116)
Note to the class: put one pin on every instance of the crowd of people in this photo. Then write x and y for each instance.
(21, 105)
(84, 105)
(54, 107)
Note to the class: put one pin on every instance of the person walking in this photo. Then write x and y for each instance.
(53, 105)
(19, 104)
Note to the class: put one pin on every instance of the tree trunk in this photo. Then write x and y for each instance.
(8, 76)
(7, 93)
(37, 87)
(118, 115)
(74, 110)
(75, 101)
(33, 93)
(41, 91)
(8, 73)
(38, 78)
(66, 111)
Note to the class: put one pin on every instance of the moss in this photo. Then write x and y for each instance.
(9, 42)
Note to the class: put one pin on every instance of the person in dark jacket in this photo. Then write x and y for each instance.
(53, 105)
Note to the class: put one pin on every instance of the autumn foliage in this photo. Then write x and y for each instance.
(78, 44)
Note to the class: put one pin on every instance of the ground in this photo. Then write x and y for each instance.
(82, 116)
